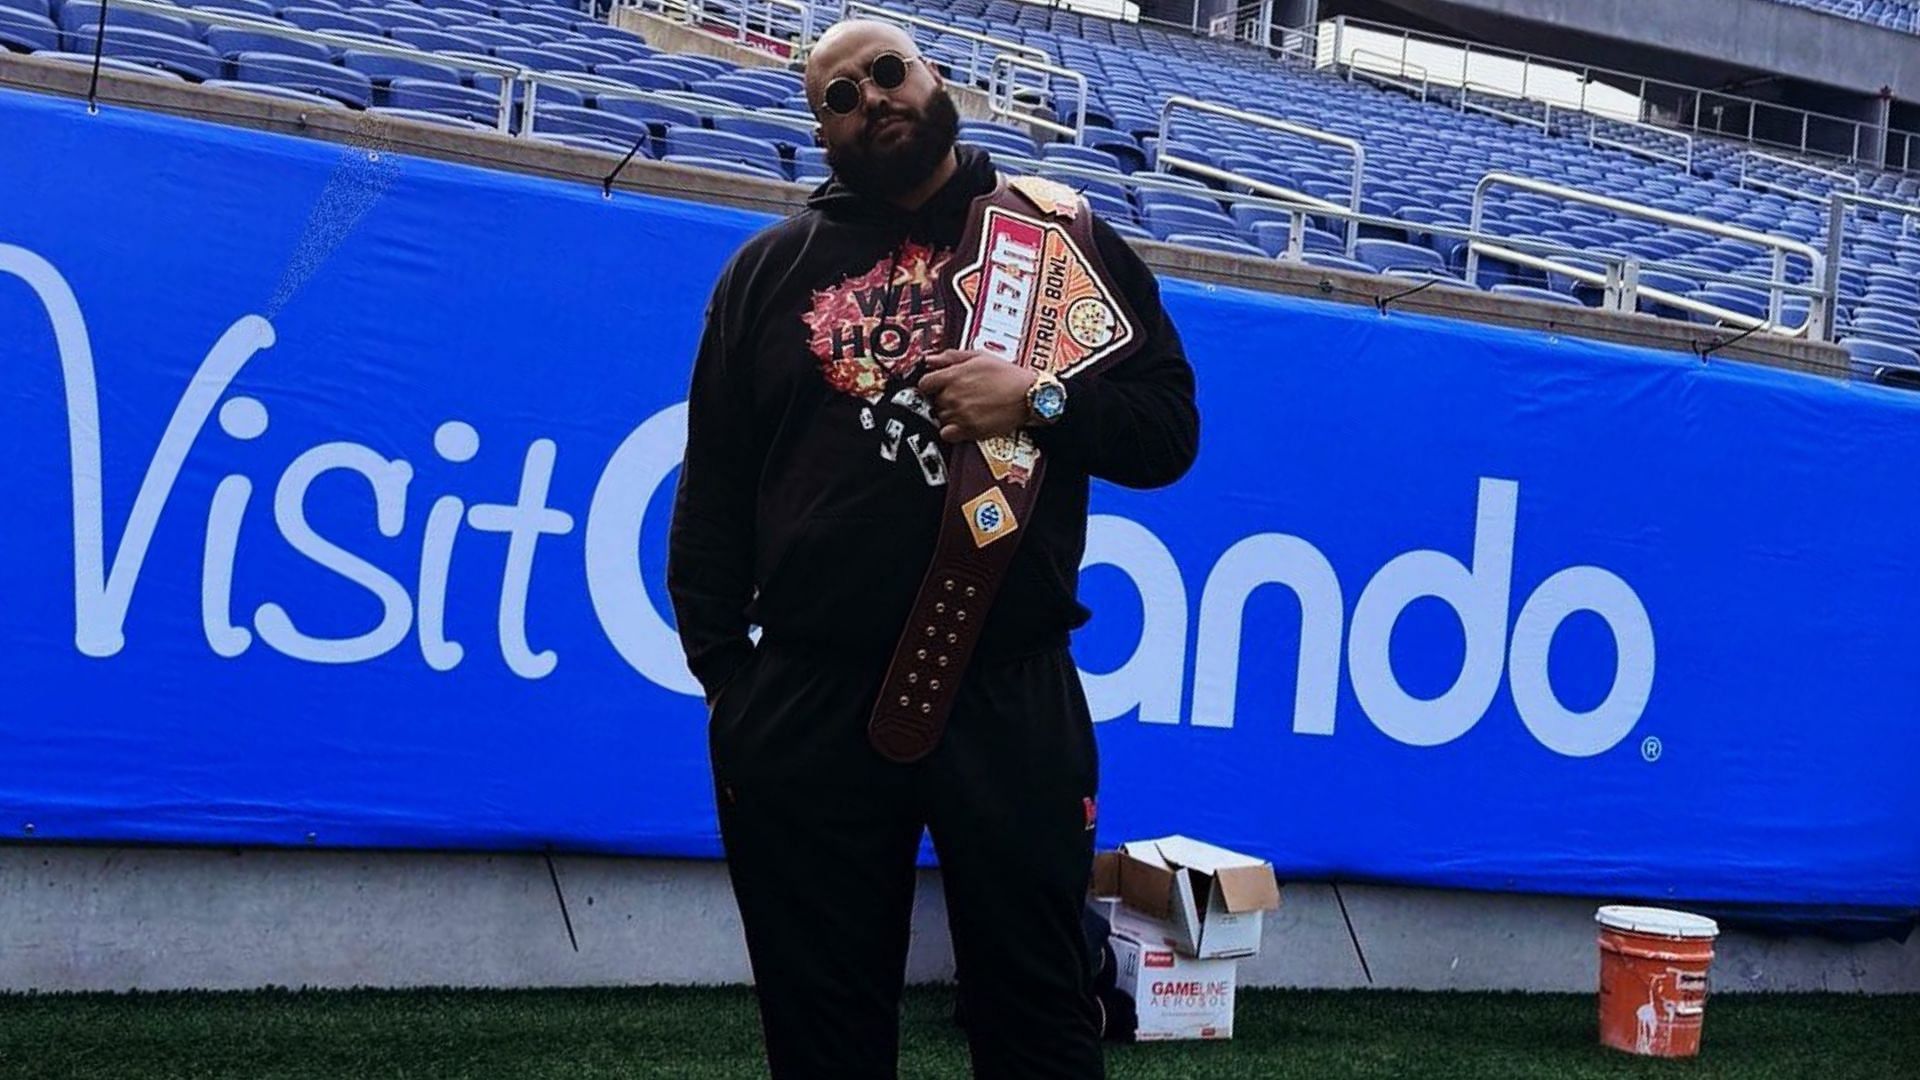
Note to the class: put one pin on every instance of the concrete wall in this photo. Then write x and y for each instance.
(106, 918)
(1754, 34)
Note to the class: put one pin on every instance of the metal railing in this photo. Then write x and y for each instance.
(1838, 204)
(1397, 77)
(1618, 278)
(1165, 159)
(1665, 104)
(1544, 121)
(1594, 138)
(802, 42)
(512, 76)
(1781, 246)
(1001, 94)
(979, 63)
(1839, 178)
(803, 126)
(237, 20)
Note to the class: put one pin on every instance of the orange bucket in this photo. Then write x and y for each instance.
(1653, 979)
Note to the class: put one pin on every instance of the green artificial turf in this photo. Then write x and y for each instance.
(692, 1034)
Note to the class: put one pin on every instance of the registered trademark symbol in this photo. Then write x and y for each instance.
(1650, 749)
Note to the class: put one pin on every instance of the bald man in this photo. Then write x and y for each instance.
(820, 410)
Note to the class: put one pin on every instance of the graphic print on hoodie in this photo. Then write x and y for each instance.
(810, 496)
(871, 332)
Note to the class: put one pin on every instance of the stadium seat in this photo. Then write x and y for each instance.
(109, 63)
(422, 95)
(230, 43)
(657, 114)
(1210, 242)
(76, 17)
(383, 69)
(274, 69)
(1272, 236)
(573, 120)
(23, 31)
(314, 18)
(183, 56)
(642, 76)
(1877, 353)
(282, 93)
(1385, 255)
(726, 165)
(797, 132)
(447, 41)
(725, 145)
(540, 58)
(1164, 219)
(436, 119)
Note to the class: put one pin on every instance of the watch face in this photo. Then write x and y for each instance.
(1050, 402)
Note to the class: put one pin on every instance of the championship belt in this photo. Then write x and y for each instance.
(1027, 285)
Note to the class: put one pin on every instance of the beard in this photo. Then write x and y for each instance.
(908, 159)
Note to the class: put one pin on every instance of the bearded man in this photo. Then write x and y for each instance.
(825, 416)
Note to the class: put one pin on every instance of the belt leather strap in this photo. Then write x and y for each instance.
(1026, 284)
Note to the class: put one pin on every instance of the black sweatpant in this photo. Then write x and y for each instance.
(821, 834)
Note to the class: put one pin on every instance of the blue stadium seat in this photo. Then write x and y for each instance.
(1878, 353)
(275, 69)
(789, 134)
(641, 75)
(738, 93)
(420, 116)
(314, 18)
(182, 56)
(383, 69)
(245, 7)
(604, 144)
(573, 120)
(282, 93)
(231, 43)
(726, 145)
(76, 16)
(1327, 261)
(726, 165)
(1166, 219)
(23, 31)
(1148, 198)
(423, 95)
(589, 56)
(539, 58)
(1272, 236)
(659, 115)
(1385, 255)
(496, 37)
(548, 95)
(1210, 242)
(390, 18)
(438, 41)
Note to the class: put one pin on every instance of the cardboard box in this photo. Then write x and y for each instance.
(1175, 996)
(1205, 901)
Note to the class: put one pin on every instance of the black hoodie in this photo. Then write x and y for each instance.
(813, 482)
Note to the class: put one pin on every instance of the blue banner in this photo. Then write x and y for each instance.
(338, 482)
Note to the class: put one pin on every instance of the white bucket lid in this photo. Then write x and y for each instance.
(1647, 920)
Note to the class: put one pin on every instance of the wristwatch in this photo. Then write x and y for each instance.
(1046, 400)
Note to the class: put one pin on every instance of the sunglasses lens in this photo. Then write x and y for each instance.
(889, 71)
(842, 96)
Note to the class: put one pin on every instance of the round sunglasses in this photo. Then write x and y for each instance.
(886, 71)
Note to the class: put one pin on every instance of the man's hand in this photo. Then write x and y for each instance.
(975, 394)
